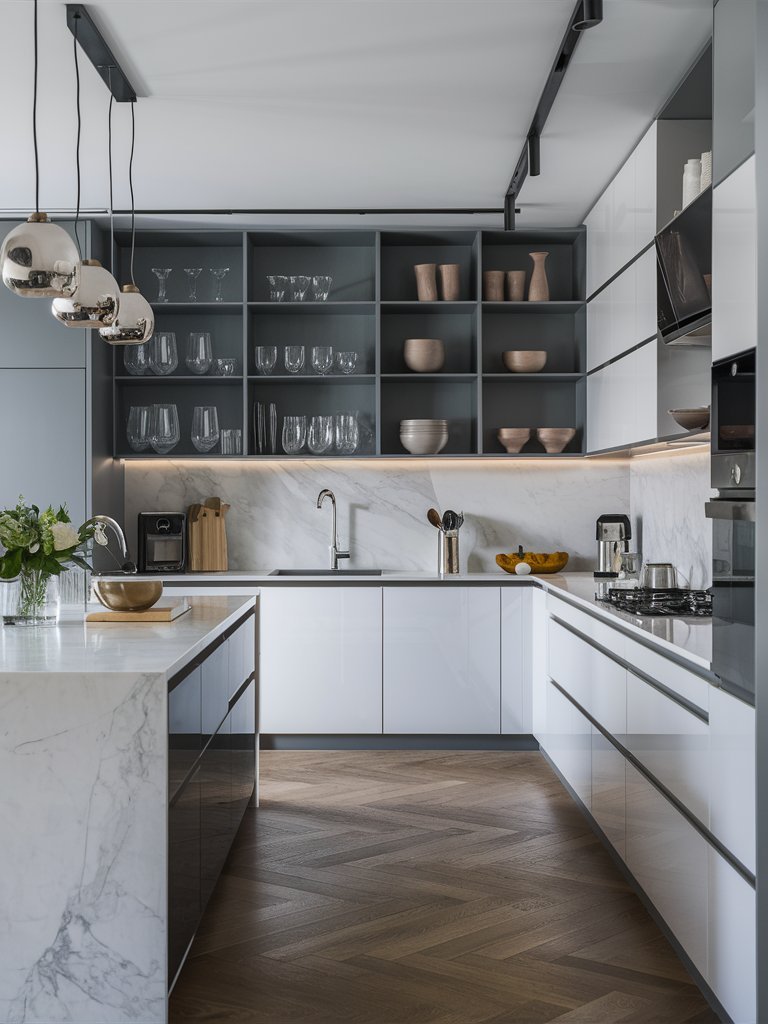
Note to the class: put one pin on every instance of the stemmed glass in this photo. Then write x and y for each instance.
(136, 359)
(161, 273)
(294, 358)
(139, 426)
(219, 273)
(277, 285)
(205, 427)
(320, 434)
(321, 287)
(164, 432)
(299, 285)
(347, 433)
(192, 275)
(266, 357)
(322, 359)
(294, 434)
(199, 353)
(163, 357)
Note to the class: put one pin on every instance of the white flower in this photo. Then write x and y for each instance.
(64, 536)
(33, 547)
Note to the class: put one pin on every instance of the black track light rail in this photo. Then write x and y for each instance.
(586, 14)
(96, 49)
(320, 211)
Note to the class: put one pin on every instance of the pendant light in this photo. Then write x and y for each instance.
(38, 258)
(134, 322)
(94, 303)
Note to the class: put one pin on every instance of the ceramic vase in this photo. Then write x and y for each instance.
(538, 289)
(516, 285)
(493, 285)
(449, 281)
(691, 181)
(426, 282)
(706, 170)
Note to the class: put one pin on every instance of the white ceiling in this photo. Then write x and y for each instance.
(342, 103)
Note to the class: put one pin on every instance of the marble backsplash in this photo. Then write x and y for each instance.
(382, 508)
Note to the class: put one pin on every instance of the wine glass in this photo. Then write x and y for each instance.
(266, 357)
(347, 433)
(136, 359)
(192, 275)
(277, 285)
(163, 357)
(161, 273)
(299, 285)
(294, 434)
(321, 287)
(346, 362)
(205, 427)
(219, 273)
(139, 426)
(199, 355)
(294, 358)
(164, 432)
(320, 434)
(322, 359)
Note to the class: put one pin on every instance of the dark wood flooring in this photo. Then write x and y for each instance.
(384, 887)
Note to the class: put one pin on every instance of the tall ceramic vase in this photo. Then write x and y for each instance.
(538, 289)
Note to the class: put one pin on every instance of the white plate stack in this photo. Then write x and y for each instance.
(424, 437)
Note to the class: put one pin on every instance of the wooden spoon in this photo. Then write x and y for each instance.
(434, 517)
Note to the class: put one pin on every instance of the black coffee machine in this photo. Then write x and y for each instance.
(162, 542)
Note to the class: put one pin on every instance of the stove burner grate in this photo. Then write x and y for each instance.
(646, 601)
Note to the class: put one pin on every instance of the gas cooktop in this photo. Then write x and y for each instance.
(676, 601)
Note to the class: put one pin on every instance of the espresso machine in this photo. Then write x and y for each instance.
(613, 535)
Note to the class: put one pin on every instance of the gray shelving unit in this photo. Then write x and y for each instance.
(372, 309)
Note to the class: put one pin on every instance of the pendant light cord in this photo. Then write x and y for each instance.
(34, 124)
(79, 129)
(130, 186)
(111, 200)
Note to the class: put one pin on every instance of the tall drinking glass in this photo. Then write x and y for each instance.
(136, 359)
(294, 434)
(139, 427)
(163, 357)
(199, 353)
(322, 359)
(347, 433)
(205, 427)
(320, 434)
(294, 358)
(266, 358)
(164, 432)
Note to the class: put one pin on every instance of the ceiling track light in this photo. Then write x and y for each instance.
(591, 15)
(38, 259)
(534, 155)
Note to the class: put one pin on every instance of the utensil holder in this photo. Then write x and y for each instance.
(448, 553)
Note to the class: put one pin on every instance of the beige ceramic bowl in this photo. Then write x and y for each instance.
(555, 439)
(424, 355)
(128, 595)
(525, 360)
(424, 443)
(691, 419)
(513, 438)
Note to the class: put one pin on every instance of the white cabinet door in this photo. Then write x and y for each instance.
(644, 271)
(320, 662)
(669, 859)
(640, 377)
(598, 242)
(734, 263)
(732, 967)
(623, 217)
(624, 314)
(539, 620)
(732, 775)
(516, 659)
(645, 193)
(442, 665)
(609, 791)
(569, 744)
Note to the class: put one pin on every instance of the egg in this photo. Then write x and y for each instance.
(522, 569)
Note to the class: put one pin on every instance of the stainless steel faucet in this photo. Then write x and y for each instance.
(335, 553)
(127, 566)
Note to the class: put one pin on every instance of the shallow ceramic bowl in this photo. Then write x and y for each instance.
(128, 595)
(555, 439)
(524, 360)
(691, 419)
(424, 443)
(424, 355)
(513, 438)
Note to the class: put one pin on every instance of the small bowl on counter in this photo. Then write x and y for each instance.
(128, 595)
(540, 563)
(424, 437)
(424, 355)
(691, 419)
(512, 439)
(524, 360)
(555, 439)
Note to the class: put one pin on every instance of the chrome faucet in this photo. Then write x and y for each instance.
(127, 565)
(335, 553)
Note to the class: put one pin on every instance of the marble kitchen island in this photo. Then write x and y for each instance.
(108, 733)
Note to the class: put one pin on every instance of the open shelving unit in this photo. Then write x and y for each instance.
(372, 308)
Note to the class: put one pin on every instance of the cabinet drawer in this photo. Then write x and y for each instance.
(589, 625)
(732, 958)
(609, 791)
(732, 775)
(569, 743)
(675, 677)
(594, 680)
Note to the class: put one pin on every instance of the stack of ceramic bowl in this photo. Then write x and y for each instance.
(424, 437)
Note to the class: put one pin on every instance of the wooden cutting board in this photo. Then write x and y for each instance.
(207, 530)
(159, 613)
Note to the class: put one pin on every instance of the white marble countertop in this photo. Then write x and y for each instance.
(115, 648)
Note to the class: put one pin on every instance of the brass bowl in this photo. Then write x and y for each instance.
(128, 595)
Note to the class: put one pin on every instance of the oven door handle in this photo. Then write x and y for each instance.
(741, 510)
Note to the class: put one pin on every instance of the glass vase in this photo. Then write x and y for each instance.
(34, 600)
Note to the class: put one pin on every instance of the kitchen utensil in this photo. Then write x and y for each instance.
(231, 441)
(218, 274)
(294, 434)
(199, 352)
(555, 439)
(127, 595)
(161, 273)
(208, 536)
(346, 362)
(691, 419)
(205, 427)
(158, 613)
(659, 576)
(524, 360)
(273, 428)
(277, 286)
(449, 281)
(450, 520)
(426, 282)
(424, 355)
(294, 358)
(139, 427)
(265, 357)
(613, 531)
(346, 433)
(513, 438)
(493, 285)
(516, 285)
(320, 434)
(322, 359)
(299, 284)
(164, 433)
(433, 516)
(136, 359)
(321, 287)
(192, 275)
(163, 355)
(541, 563)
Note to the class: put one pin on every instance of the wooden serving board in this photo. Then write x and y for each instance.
(159, 613)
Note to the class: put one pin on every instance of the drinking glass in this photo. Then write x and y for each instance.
(266, 357)
(347, 433)
(225, 367)
(294, 434)
(219, 273)
(164, 432)
(199, 354)
(231, 441)
(277, 286)
(322, 359)
(205, 427)
(294, 358)
(346, 362)
(136, 359)
(139, 426)
(192, 275)
(299, 285)
(321, 287)
(320, 434)
(161, 273)
(163, 357)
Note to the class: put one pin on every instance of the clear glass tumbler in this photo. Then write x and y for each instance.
(322, 359)
(299, 285)
(346, 362)
(139, 427)
(320, 434)
(321, 287)
(277, 286)
(294, 434)
(265, 357)
(231, 441)
(163, 356)
(164, 432)
(136, 359)
(347, 433)
(199, 352)
(205, 427)
(294, 358)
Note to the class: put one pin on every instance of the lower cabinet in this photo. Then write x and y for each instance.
(570, 739)
(732, 958)
(609, 785)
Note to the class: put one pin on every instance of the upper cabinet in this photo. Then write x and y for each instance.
(734, 86)
(734, 263)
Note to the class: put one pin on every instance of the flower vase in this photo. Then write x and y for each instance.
(35, 601)
(538, 289)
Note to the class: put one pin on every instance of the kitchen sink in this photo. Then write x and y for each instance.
(325, 572)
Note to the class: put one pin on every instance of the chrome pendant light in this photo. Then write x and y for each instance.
(38, 259)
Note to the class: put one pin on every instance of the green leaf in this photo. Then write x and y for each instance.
(10, 565)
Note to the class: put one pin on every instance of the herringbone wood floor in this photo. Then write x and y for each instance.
(425, 888)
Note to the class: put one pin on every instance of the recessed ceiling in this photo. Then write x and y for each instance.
(344, 103)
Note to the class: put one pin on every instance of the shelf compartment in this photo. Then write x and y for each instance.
(565, 264)
(326, 397)
(402, 250)
(415, 306)
(314, 378)
(522, 378)
(535, 308)
(345, 332)
(348, 256)
(416, 398)
(458, 333)
(330, 307)
(533, 404)
(179, 249)
(203, 378)
(224, 325)
(562, 335)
